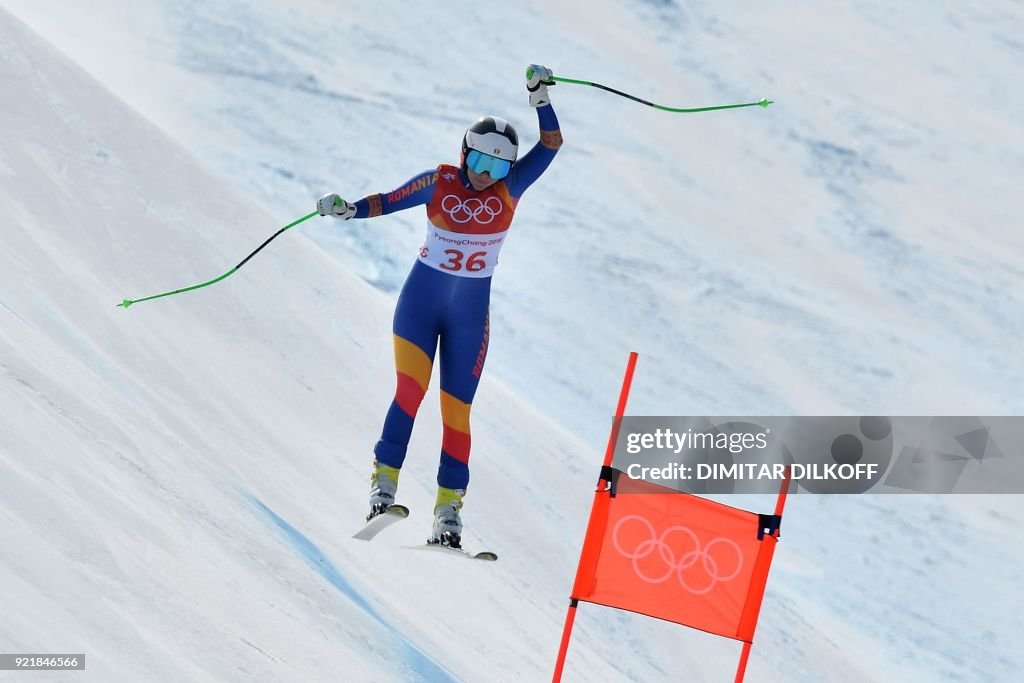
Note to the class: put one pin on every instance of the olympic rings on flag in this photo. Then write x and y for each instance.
(679, 563)
(463, 211)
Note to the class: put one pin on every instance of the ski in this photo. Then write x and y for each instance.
(377, 523)
(484, 555)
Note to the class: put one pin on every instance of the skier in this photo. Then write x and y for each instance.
(446, 295)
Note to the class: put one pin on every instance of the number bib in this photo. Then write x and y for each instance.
(465, 228)
(461, 254)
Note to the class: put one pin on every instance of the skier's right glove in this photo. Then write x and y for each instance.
(333, 205)
(538, 78)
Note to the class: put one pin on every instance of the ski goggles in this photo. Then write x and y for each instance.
(485, 163)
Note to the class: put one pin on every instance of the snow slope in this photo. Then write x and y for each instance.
(179, 480)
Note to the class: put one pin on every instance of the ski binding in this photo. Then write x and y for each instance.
(382, 520)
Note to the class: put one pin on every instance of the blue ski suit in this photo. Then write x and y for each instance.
(443, 305)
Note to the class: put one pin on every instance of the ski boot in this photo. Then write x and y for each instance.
(383, 486)
(447, 522)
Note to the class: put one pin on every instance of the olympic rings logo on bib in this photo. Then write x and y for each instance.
(464, 211)
(680, 557)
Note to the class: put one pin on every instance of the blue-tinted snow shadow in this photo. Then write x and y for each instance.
(418, 665)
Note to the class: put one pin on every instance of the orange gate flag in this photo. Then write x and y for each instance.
(675, 556)
(672, 555)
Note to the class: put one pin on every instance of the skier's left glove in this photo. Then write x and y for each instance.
(333, 205)
(538, 78)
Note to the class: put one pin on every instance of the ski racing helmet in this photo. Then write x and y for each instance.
(490, 145)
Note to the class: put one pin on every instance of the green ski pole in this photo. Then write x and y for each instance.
(128, 302)
(759, 103)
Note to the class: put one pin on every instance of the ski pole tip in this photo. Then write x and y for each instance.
(765, 102)
(126, 303)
